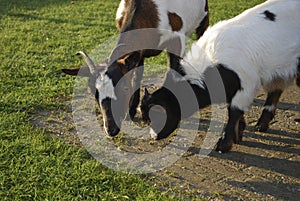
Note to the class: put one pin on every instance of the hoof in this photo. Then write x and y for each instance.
(224, 145)
(262, 127)
(242, 126)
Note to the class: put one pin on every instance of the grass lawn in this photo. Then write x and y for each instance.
(37, 39)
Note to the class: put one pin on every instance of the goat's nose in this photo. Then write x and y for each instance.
(113, 131)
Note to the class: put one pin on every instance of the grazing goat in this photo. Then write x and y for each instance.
(261, 46)
(178, 17)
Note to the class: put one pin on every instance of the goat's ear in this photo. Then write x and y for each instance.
(80, 71)
(132, 60)
(146, 93)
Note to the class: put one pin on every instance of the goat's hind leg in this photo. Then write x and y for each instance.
(269, 110)
(242, 126)
(233, 130)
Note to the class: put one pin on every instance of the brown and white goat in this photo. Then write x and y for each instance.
(259, 47)
(173, 20)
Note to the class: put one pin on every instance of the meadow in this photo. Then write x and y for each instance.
(37, 39)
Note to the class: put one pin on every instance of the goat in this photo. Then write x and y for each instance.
(179, 17)
(259, 47)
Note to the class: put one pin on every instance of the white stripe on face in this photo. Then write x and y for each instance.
(105, 87)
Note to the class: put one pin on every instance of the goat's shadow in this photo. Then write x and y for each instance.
(281, 166)
(268, 188)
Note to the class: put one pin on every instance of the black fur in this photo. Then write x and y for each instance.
(167, 100)
(113, 127)
(202, 27)
(269, 15)
(231, 80)
(232, 132)
(267, 116)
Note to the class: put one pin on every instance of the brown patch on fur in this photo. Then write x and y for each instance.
(275, 97)
(138, 15)
(175, 21)
(120, 22)
(277, 84)
(127, 15)
(123, 66)
(146, 15)
(129, 61)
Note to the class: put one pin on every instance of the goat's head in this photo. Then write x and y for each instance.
(162, 110)
(111, 86)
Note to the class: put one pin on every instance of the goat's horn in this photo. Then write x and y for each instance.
(89, 62)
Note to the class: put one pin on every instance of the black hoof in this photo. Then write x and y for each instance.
(262, 127)
(224, 145)
(242, 126)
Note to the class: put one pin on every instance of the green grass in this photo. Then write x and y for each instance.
(37, 39)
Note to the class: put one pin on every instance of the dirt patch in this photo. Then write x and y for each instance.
(265, 166)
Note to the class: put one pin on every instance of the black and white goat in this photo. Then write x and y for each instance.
(178, 17)
(261, 46)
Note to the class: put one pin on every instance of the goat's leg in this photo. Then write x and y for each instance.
(269, 110)
(232, 130)
(174, 63)
(202, 26)
(136, 85)
(242, 126)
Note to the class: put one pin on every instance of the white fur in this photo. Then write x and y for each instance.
(270, 108)
(120, 11)
(153, 134)
(192, 12)
(105, 87)
(259, 50)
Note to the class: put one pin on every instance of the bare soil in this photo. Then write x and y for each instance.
(264, 166)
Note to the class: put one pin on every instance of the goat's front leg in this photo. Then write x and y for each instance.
(269, 110)
(136, 85)
(174, 63)
(232, 131)
(202, 26)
